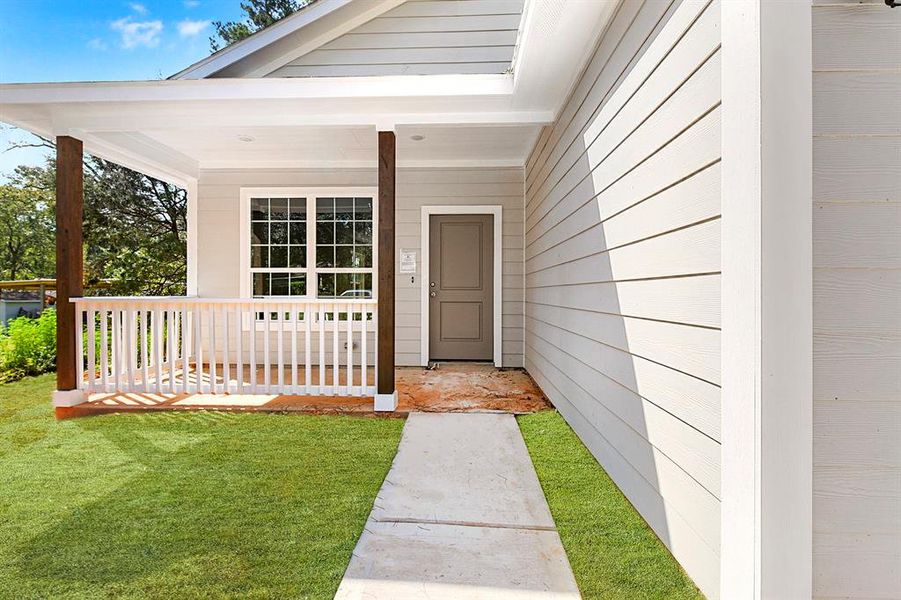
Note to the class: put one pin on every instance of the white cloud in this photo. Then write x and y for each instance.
(188, 28)
(138, 8)
(138, 33)
(97, 44)
(192, 3)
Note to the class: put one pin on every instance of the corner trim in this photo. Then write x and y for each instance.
(767, 301)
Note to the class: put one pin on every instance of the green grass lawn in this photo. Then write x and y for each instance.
(181, 504)
(613, 552)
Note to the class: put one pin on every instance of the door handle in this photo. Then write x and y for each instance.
(433, 294)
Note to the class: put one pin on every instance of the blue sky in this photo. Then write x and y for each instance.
(99, 40)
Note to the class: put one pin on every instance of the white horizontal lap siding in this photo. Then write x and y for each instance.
(857, 296)
(218, 216)
(489, 186)
(420, 37)
(622, 268)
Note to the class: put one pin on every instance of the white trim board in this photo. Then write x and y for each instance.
(497, 212)
(767, 306)
(192, 227)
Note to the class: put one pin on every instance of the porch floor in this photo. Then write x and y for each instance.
(453, 387)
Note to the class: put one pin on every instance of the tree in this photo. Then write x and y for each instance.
(26, 233)
(135, 226)
(259, 15)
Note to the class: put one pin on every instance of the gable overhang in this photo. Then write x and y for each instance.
(306, 30)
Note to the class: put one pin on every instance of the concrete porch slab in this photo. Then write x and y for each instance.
(460, 515)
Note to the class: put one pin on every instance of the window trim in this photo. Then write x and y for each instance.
(311, 271)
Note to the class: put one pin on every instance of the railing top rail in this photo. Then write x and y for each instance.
(97, 300)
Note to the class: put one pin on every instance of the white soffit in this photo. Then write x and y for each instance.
(556, 42)
(345, 147)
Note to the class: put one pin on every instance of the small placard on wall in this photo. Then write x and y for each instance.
(407, 261)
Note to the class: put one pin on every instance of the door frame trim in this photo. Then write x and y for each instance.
(496, 211)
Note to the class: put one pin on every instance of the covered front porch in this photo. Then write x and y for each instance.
(261, 342)
(308, 227)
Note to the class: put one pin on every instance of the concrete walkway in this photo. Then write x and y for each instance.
(461, 515)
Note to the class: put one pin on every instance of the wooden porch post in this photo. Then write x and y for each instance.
(69, 265)
(386, 395)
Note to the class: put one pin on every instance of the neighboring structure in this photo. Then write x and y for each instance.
(25, 297)
(15, 304)
(683, 218)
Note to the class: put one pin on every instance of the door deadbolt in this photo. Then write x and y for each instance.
(431, 284)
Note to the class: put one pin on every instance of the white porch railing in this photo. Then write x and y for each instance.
(211, 346)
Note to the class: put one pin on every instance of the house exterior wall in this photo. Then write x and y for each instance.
(856, 290)
(427, 37)
(622, 263)
(218, 233)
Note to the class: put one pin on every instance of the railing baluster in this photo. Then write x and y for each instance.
(212, 347)
(267, 319)
(350, 350)
(117, 349)
(172, 345)
(156, 341)
(239, 348)
(225, 357)
(104, 351)
(198, 350)
(79, 349)
(320, 312)
(253, 350)
(92, 351)
(184, 338)
(129, 350)
(133, 349)
(293, 322)
(144, 332)
(364, 360)
(307, 342)
(281, 348)
(335, 350)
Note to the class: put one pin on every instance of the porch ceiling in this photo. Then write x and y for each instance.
(345, 146)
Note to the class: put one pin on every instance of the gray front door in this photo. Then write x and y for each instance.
(461, 281)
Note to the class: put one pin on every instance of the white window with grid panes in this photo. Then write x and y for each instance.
(306, 243)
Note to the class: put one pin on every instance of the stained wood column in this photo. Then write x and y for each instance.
(386, 263)
(69, 258)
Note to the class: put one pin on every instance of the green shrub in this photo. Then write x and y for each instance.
(28, 346)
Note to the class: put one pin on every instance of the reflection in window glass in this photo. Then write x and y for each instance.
(279, 284)
(278, 237)
(277, 223)
(344, 233)
(348, 286)
(342, 259)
